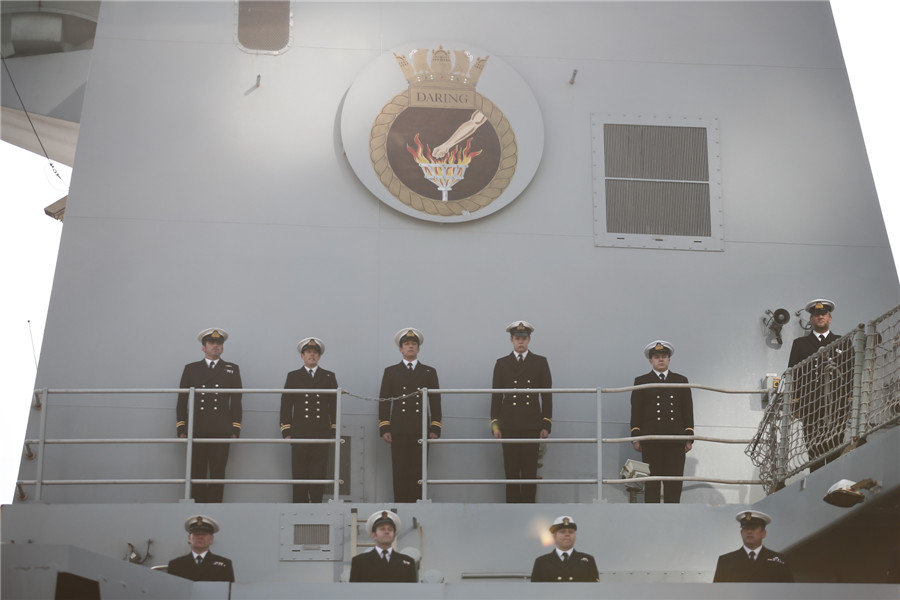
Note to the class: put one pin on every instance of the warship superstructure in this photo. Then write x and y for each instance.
(624, 172)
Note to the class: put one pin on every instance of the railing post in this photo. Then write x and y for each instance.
(782, 457)
(39, 475)
(599, 448)
(189, 454)
(859, 357)
(338, 399)
(425, 407)
(868, 377)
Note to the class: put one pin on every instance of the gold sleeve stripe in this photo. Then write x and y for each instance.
(238, 425)
(383, 423)
(180, 423)
(436, 423)
(283, 427)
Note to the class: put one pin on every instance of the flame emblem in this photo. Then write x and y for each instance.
(446, 164)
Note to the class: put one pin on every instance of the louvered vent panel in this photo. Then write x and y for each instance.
(657, 208)
(656, 152)
(312, 535)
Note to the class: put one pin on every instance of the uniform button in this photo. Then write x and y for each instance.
(307, 416)
(515, 396)
(559, 578)
(417, 410)
(527, 403)
(514, 403)
(215, 408)
(201, 408)
(658, 419)
(202, 401)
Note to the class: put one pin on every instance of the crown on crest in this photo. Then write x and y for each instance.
(458, 68)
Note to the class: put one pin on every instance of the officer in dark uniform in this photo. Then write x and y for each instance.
(383, 564)
(311, 416)
(519, 416)
(564, 563)
(217, 415)
(822, 394)
(753, 562)
(662, 411)
(400, 420)
(201, 564)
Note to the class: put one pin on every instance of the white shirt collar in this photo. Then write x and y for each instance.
(414, 363)
(755, 551)
(203, 555)
(657, 373)
(524, 355)
(570, 551)
(314, 369)
(210, 362)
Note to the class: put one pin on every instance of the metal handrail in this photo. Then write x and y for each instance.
(599, 440)
(41, 398)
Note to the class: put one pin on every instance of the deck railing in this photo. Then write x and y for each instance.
(828, 403)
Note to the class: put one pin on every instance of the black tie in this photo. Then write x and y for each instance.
(821, 338)
(311, 373)
(521, 358)
(384, 555)
(409, 366)
(751, 555)
(565, 556)
(212, 365)
(199, 559)
(662, 377)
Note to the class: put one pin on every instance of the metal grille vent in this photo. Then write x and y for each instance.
(312, 535)
(656, 190)
(264, 25)
(648, 168)
(657, 208)
(656, 152)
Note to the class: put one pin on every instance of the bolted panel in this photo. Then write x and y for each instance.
(311, 535)
(656, 183)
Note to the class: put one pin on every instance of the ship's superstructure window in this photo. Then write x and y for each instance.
(653, 187)
(263, 26)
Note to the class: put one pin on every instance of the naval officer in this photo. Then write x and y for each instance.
(519, 416)
(564, 563)
(400, 417)
(216, 414)
(752, 562)
(310, 416)
(383, 564)
(662, 411)
(821, 389)
(201, 564)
